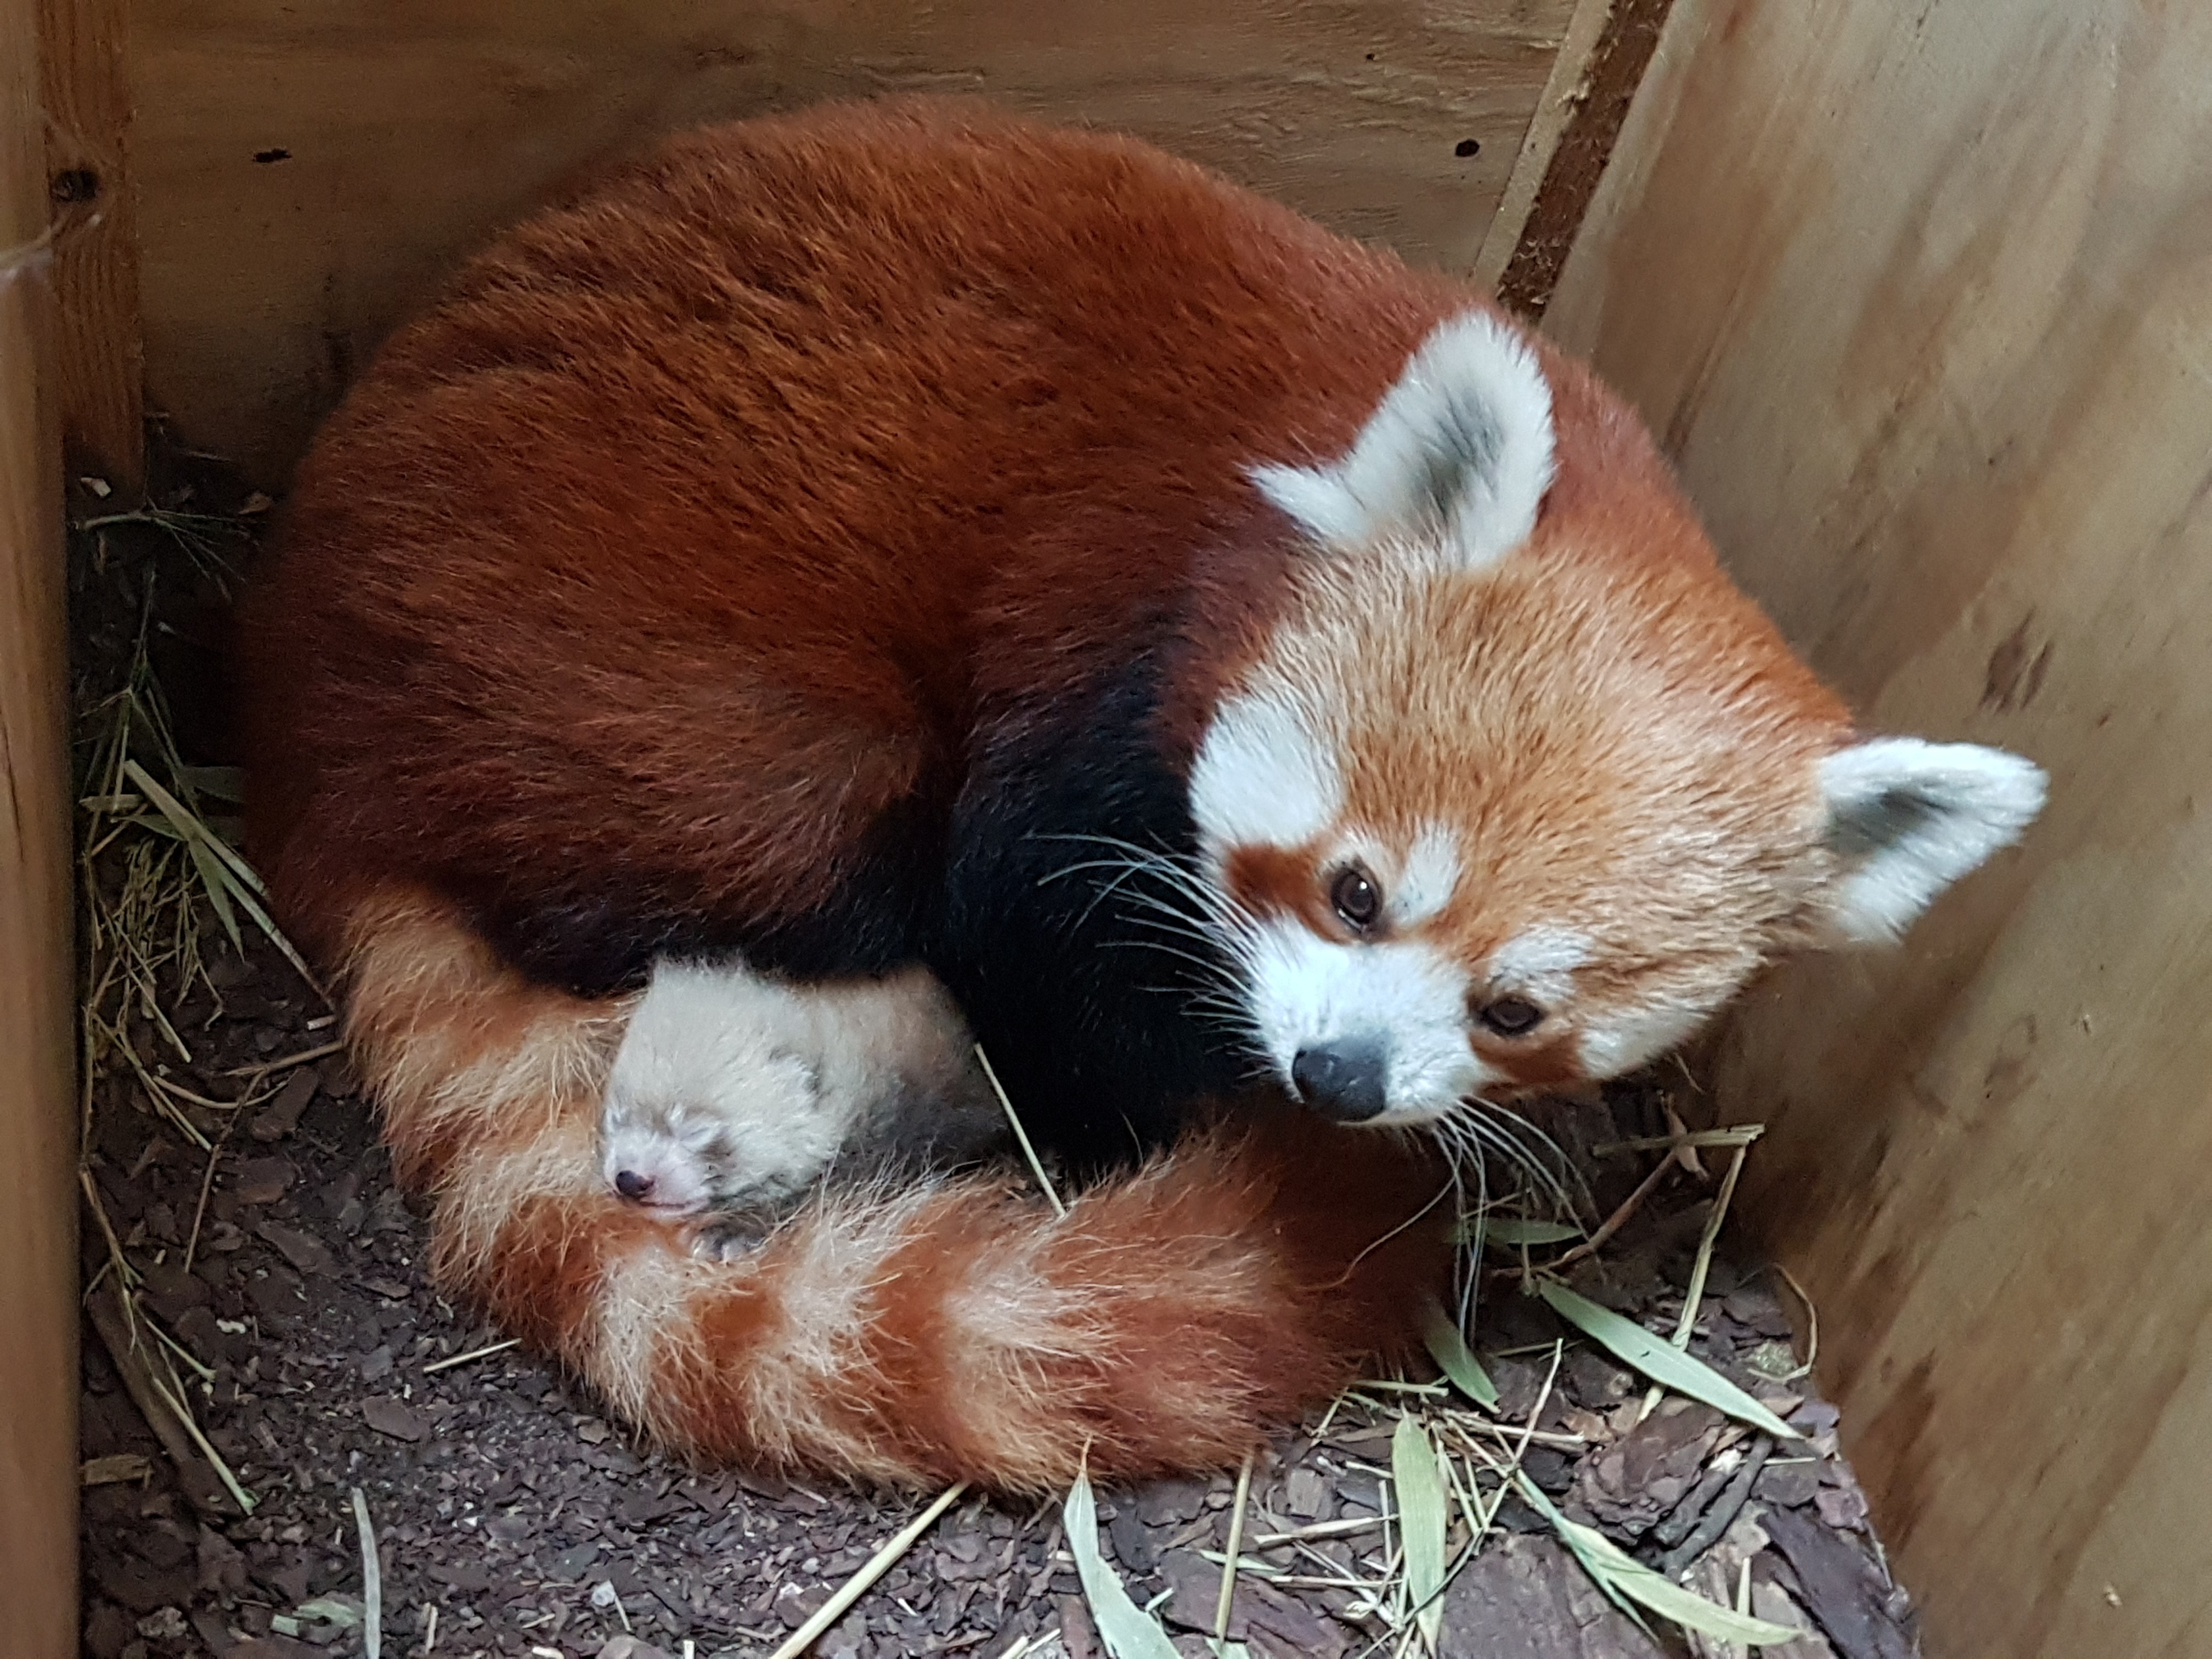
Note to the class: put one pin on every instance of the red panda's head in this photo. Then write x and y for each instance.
(1520, 789)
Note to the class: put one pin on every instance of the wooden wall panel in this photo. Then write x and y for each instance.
(38, 1121)
(99, 375)
(306, 172)
(1922, 301)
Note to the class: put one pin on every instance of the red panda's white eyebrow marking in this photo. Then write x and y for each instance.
(1428, 877)
(1541, 961)
(1263, 775)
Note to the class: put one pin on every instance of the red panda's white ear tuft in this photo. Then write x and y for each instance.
(1907, 819)
(1460, 451)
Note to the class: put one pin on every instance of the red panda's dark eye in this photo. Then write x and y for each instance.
(1357, 900)
(1511, 1016)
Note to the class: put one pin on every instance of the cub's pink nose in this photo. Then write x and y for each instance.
(633, 1186)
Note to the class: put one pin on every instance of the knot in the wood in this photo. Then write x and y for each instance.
(75, 185)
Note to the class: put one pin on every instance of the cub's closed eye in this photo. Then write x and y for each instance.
(1511, 1016)
(1357, 900)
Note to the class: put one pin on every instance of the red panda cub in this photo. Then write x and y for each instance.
(731, 1096)
(855, 581)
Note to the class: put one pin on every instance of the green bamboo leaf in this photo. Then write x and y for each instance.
(247, 873)
(1422, 1519)
(186, 822)
(233, 878)
(1127, 1631)
(1448, 1347)
(194, 828)
(1619, 1574)
(275, 934)
(1513, 1232)
(1660, 1360)
(211, 875)
(344, 1611)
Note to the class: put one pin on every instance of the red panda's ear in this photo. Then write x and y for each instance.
(1456, 458)
(1907, 819)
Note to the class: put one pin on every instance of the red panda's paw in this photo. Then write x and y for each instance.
(731, 1237)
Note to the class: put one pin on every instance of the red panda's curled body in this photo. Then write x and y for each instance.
(896, 535)
(941, 419)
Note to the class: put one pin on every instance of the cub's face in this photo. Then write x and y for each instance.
(1513, 796)
(664, 1157)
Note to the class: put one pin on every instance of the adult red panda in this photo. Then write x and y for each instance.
(902, 537)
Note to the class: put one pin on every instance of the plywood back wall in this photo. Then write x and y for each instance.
(1922, 301)
(305, 173)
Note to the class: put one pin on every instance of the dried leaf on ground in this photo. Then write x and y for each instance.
(1623, 1574)
(1660, 1360)
(1127, 1630)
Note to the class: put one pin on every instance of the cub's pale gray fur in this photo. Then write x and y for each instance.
(733, 1095)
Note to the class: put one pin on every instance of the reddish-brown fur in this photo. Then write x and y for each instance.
(859, 554)
(855, 559)
(677, 411)
(1222, 1289)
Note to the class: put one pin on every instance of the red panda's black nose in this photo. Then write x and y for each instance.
(1344, 1080)
(632, 1185)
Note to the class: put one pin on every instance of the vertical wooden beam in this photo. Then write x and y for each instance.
(38, 1139)
(99, 361)
(1612, 45)
(1566, 90)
